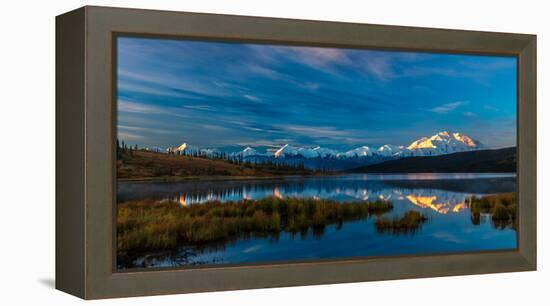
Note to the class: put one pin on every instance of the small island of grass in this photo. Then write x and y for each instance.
(502, 207)
(409, 223)
(160, 225)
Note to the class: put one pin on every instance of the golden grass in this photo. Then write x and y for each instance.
(410, 222)
(152, 225)
(502, 207)
(141, 164)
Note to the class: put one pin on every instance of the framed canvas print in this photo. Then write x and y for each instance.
(200, 152)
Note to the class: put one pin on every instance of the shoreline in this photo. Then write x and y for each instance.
(283, 177)
(220, 178)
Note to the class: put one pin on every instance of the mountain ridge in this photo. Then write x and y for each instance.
(480, 161)
(439, 144)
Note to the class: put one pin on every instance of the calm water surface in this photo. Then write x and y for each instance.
(441, 197)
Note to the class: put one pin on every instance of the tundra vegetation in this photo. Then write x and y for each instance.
(409, 223)
(161, 225)
(138, 164)
(501, 207)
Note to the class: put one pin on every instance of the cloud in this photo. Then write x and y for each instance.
(134, 107)
(252, 98)
(320, 58)
(380, 68)
(167, 83)
(309, 85)
(129, 136)
(308, 95)
(267, 72)
(329, 60)
(199, 107)
(230, 86)
(184, 111)
(313, 57)
(211, 127)
(490, 108)
(149, 90)
(448, 107)
(474, 68)
(315, 131)
(279, 76)
(259, 143)
(144, 129)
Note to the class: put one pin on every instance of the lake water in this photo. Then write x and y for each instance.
(441, 197)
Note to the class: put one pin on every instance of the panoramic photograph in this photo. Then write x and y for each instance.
(231, 153)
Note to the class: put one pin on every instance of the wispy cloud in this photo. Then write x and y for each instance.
(380, 68)
(259, 143)
(167, 84)
(315, 131)
(138, 129)
(324, 59)
(252, 98)
(476, 69)
(149, 90)
(125, 106)
(135, 107)
(200, 107)
(490, 108)
(273, 74)
(129, 136)
(333, 97)
(447, 107)
(309, 85)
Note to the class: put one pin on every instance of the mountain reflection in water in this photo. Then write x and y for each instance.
(422, 191)
(435, 200)
(443, 198)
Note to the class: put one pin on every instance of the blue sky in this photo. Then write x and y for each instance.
(228, 95)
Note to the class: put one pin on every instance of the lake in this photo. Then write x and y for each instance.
(441, 197)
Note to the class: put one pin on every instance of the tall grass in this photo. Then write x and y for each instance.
(152, 225)
(502, 207)
(409, 223)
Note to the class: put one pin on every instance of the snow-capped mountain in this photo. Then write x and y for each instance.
(389, 150)
(186, 149)
(363, 151)
(288, 151)
(182, 148)
(324, 152)
(438, 144)
(249, 152)
(443, 143)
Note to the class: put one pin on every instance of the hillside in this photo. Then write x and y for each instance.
(146, 165)
(501, 160)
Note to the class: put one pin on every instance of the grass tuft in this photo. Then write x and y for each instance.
(502, 208)
(410, 222)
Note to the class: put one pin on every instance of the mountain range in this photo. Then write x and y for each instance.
(426, 154)
(498, 160)
(438, 144)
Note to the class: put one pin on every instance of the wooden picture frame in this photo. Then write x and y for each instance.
(85, 148)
